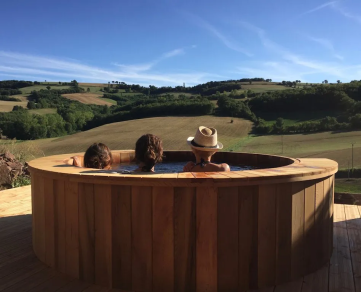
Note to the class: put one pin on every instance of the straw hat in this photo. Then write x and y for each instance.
(205, 139)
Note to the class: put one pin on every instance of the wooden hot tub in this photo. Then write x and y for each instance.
(185, 231)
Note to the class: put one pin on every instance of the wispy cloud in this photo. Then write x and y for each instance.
(327, 4)
(290, 64)
(326, 44)
(41, 67)
(150, 65)
(343, 11)
(225, 40)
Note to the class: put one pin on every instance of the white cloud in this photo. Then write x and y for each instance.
(30, 66)
(226, 41)
(291, 66)
(346, 13)
(327, 4)
(326, 44)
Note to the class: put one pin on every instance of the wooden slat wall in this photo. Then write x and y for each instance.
(227, 238)
(184, 238)
(267, 235)
(86, 232)
(121, 237)
(142, 238)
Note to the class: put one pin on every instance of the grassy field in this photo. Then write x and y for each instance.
(352, 185)
(336, 146)
(43, 111)
(29, 89)
(88, 98)
(173, 130)
(7, 106)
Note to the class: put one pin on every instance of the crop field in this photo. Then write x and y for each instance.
(88, 98)
(7, 106)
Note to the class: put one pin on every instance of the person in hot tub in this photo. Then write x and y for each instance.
(148, 152)
(204, 145)
(98, 156)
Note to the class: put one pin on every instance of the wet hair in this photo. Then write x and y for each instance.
(98, 156)
(149, 151)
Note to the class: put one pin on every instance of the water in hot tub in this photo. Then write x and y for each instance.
(168, 167)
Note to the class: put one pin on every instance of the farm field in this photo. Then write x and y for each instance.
(7, 106)
(336, 146)
(29, 89)
(173, 130)
(88, 98)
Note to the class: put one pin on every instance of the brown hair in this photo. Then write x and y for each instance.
(149, 150)
(98, 156)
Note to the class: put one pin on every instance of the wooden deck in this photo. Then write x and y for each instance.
(20, 270)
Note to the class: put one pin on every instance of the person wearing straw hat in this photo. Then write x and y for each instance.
(204, 145)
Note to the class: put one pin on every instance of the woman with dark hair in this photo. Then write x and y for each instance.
(97, 156)
(148, 152)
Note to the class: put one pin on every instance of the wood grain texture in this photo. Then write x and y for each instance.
(121, 237)
(142, 238)
(103, 235)
(267, 235)
(72, 229)
(60, 215)
(326, 228)
(248, 237)
(206, 240)
(163, 239)
(185, 239)
(86, 232)
(310, 235)
(284, 232)
(39, 219)
(49, 205)
(298, 215)
(227, 239)
(319, 215)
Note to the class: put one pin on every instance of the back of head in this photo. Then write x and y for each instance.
(98, 156)
(149, 151)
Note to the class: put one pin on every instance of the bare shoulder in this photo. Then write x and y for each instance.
(225, 167)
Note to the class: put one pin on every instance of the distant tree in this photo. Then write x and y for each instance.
(48, 87)
(116, 82)
(325, 82)
(88, 89)
(338, 81)
(112, 81)
(31, 105)
(279, 125)
(250, 82)
(59, 82)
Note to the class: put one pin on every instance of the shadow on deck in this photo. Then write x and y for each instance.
(20, 270)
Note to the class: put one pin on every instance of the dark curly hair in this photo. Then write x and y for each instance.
(98, 156)
(149, 150)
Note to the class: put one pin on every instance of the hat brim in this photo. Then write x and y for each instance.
(219, 145)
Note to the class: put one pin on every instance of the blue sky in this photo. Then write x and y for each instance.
(168, 42)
